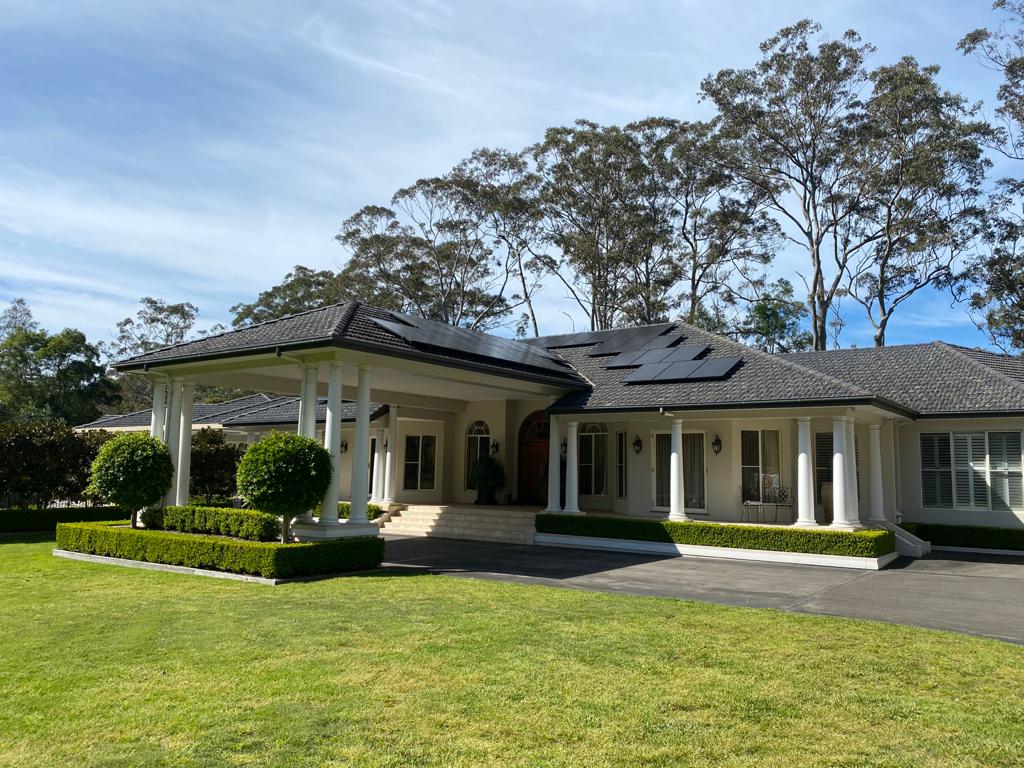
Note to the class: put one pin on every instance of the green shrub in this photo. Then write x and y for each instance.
(975, 536)
(775, 538)
(284, 474)
(44, 461)
(259, 558)
(222, 521)
(23, 520)
(132, 470)
(373, 511)
(214, 465)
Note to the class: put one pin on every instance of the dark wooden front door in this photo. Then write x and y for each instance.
(533, 460)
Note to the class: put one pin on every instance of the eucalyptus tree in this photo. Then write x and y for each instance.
(789, 121)
(998, 271)
(920, 161)
(592, 215)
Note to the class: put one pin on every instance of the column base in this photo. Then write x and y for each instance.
(341, 530)
(846, 526)
(554, 511)
(679, 517)
(808, 524)
(568, 511)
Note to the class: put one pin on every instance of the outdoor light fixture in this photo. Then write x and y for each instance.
(344, 446)
(565, 447)
(716, 445)
(638, 444)
(494, 447)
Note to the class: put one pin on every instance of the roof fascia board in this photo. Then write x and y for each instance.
(765, 405)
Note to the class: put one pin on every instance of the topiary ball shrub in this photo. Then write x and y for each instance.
(132, 471)
(284, 474)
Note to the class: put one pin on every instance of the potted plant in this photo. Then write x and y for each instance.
(488, 478)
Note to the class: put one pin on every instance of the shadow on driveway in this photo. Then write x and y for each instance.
(964, 593)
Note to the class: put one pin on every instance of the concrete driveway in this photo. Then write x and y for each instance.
(962, 593)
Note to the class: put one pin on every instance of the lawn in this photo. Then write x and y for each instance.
(105, 666)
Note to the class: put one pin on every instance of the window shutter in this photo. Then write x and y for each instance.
(822, 461)
(936, 474)
(1006, 478)
(970, 471)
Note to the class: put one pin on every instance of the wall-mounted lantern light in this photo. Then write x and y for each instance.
(494, 447)
(344, 446)
(565, 447)
(716, 445)
(638, 444)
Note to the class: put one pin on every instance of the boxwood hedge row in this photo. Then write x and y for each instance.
(223, 521)
(24, 520)
(373, 511)
(871, 543)
(976, 536)
(218, 553)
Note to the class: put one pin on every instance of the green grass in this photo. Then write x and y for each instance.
(106, 666)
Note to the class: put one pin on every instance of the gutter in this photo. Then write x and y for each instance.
(667, 409)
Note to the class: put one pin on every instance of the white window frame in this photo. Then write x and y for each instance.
(418, 461)
(589, 431)
(621, 466)
(482, 439)
(760, 459)
(987, 470)
(654, 470)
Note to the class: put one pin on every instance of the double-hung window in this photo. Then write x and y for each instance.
(420, 458)
(972, 471)
(592, 461)
(621, 480)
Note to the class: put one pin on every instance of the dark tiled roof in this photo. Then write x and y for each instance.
(347, 325)
(929, 379)
(760, 379)
(285, 410)
(202, 413)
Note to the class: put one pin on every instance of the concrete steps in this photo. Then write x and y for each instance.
(507, 525)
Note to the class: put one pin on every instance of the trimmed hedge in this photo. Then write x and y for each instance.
(26, 520)
(223, 521)
(373, 511)
(976, 536)
(271, 560)
(774, 538)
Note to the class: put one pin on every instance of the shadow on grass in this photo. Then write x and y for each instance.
(27, 537)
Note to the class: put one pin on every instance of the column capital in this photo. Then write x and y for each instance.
(874, 427)
(804, 419)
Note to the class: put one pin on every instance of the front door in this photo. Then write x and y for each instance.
(532, 486)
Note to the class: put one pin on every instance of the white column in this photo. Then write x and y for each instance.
(853, 501)
(158, 420)
(840, 493)
(309, 403)
(299, 426)
(332, 442)
(676, 491)
(391, 456)
(572, 486)
(184, 444)
(377, 473)
(804, 475)
(173, 431)
(876, 514)
(361, 449)
(554, 465)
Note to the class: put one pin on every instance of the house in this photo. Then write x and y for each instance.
(662, 420)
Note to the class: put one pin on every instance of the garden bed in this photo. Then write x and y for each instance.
(32, 520)
(270, 560)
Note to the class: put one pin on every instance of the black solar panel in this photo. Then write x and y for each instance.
(448, 338)
(679, 354)
(638, 357)
(664, 340)
(684, 370)
(628, 339)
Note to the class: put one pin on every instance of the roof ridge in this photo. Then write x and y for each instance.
(347, 315)
(236, 408)
(229, 331)
(978, 364)
(274, 402)
(781, 359)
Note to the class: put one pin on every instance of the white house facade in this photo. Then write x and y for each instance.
(658, 421)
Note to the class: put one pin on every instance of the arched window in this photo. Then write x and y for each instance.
(478, 443)
(593, 461)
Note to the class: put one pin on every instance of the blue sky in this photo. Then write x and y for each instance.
(196, 151)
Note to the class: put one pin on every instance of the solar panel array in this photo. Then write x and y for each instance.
(686, 370)
(638, 357)
(419, 332)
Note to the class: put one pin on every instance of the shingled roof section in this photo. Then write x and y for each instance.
(933, 379)
(285, 410)
(202, 413)
(346, 326)
(762, 379)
